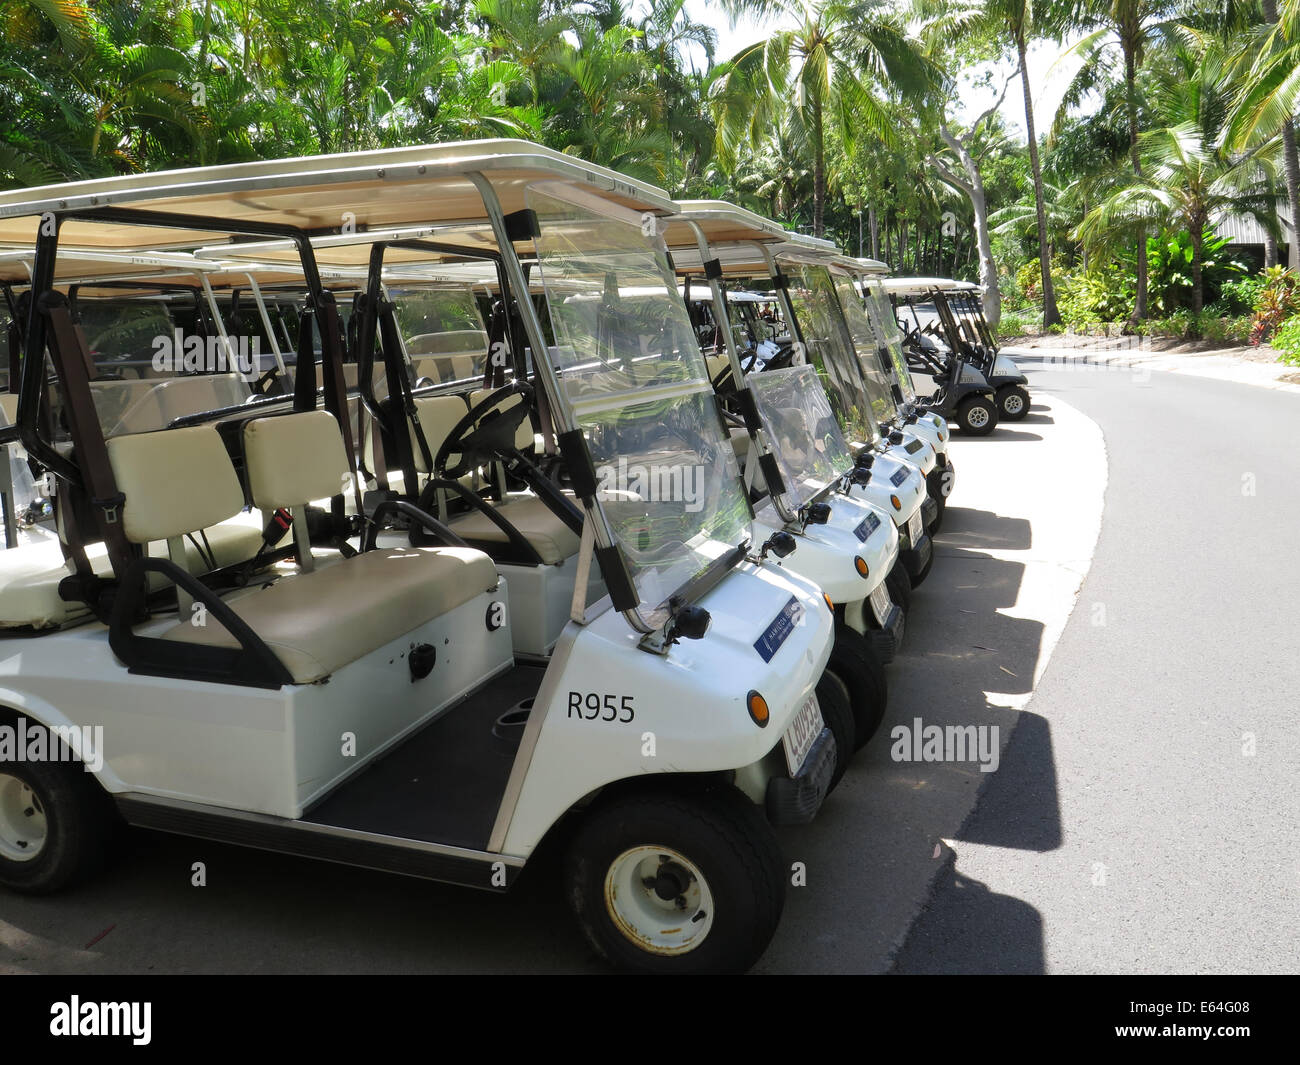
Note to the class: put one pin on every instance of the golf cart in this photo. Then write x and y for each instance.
(980, 347)
(963, 395)
(797, 466)
(362, 703)
(894, 486)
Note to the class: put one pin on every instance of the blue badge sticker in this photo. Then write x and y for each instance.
(776, 633)
(869, 525)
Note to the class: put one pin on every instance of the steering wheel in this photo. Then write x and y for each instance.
(750, 357)
(486, 432)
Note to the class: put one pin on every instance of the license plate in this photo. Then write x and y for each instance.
(881, 603)
(800, 736)
(915, 527)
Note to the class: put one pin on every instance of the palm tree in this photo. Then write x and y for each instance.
(1190, 175)
(823, 72)
(1270, 97)
(1122, 33)
(1019, 22)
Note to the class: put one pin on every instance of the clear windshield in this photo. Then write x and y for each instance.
(809, 448)
(444, 333)
(636, 382)
(868, 346)
(830, 350)
(882, 317)
(154, 363)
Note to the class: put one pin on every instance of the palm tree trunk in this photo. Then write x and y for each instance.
(1198, 291)
(819, 167)
(1290, 164)
(1051, 316)
(873, 223)
(1130, 86)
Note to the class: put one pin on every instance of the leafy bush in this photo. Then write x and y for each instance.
(1017, 324)
(1287, 341)
(1169, 258)
(1182, 324)
(1278, 299)
(1238, 297)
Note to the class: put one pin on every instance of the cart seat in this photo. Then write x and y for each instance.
(30, 574)
(317, 620)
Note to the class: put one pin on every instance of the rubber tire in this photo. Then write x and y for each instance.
(719, 830)
(80, 827)
(855, 662)
(963, 410)
(937, 524)
(925, 570)
(1003, 393)
(837, 713)
(900, 587)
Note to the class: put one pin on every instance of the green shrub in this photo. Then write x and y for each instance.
(1287, 341)
(1238, 297)
(1017, 324)
(1277, 300)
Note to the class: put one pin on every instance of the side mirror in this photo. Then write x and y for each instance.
(895, 437)
(779, 544)
(817, 514)
(690, 623)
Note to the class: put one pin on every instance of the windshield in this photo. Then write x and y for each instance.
(809, 448)
(829, 349)
(443, 331)
(636, 382)
(868, 349)
(882, 317)
(150, 369)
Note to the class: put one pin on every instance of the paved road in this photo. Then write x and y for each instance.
(1128, 755)
(1143, 816)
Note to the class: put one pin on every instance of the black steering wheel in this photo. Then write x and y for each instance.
(486, 432)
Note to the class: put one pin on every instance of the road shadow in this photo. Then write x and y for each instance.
(974, 919)
(966, 527)
(1004, 433)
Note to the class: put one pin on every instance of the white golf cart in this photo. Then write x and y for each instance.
(363, 704)
(798, 468)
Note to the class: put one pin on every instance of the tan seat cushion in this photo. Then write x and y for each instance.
(30, 575)
(319, 621)
(174, 481)
(540, 526)
(294, 458)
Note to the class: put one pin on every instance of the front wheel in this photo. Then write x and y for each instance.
(55, 825)
(977, 416)
(682, 882)
(855, 663)
(837, 712)
(1013, 402)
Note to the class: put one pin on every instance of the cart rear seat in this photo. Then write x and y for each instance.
(317, 620)
(30, 574)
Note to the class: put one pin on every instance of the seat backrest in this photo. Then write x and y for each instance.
(449, 342)
(175, 481)
(438, 416)
(294, 458)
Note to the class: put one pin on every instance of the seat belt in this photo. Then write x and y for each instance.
(73, 360)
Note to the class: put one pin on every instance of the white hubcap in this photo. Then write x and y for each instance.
(22, 820)
(977, 417)
(659, 900)
(1013, 404)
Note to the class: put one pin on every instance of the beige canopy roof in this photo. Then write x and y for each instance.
(392, 188)
(922, 286)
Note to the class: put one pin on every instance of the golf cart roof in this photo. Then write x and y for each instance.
(923, 286)
(871, 266)
(318, 194)
(721, 223)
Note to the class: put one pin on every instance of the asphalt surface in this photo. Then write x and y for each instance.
(1142, 817)
(1121, 744)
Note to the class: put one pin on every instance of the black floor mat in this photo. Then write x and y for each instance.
(444, 784)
